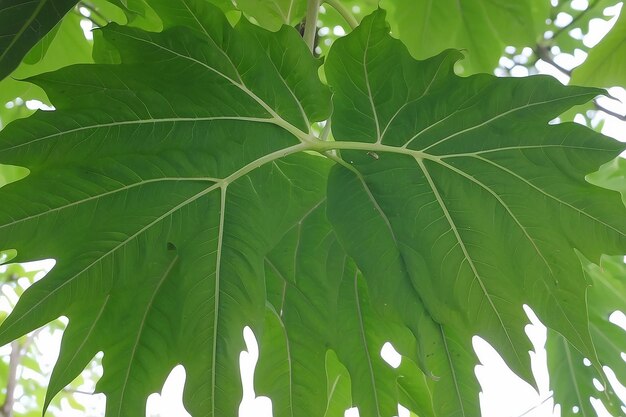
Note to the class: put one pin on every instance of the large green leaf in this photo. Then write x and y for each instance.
(248, 83)
(321, 302)
(481, 27)
(22, 24)
(571, 378)
(184, 196)
(65, 45)
(606, 64)
(474, 250)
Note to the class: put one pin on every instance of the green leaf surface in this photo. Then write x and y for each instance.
(482, 28)
(23, 24)
(323, 303)
(611, 175)
(606, 64)
(66, 45)
(272, 14)
(340, 13)
(571, 378)
(194, 199)
(223, 61)
(451, 166)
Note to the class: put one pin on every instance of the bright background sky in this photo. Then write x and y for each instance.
(503, 393)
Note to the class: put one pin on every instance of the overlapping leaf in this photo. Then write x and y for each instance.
(481, 27)
(23, 24)
(65, 45)
(606, 66)
(475, 194)
(319, 302)
(611, 175)
(147, 262)
(570, 372)
(570, 376)
(184, 196)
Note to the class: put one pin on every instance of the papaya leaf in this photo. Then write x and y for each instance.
(23, 24)
(483, 28)
(184, 194)
(605, 66)
(570, 374)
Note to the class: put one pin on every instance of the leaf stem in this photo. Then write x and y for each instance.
(326, 131)
(324, 146)
(310, 23)
(344, 12)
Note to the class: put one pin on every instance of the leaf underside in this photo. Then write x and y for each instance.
(184, 196)
(482, 28)
(23, 24)
(570, 376)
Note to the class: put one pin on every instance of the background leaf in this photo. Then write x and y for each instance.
(272, 14)
(169, 270)
(605, 66)
(482, 28)
(570, 376)
(23, 24)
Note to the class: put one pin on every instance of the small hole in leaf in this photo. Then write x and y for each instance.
(12, 173)
(169, 402)
(352, 412)
(403, 412)
(251, 405)
(391, 355)
(598, 385)
(618, 318)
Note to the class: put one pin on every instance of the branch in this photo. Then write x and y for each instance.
(310, 23)
(544, 54)
(344, 12)
(94, 23)
(94, 11)
(601, 108)
(536, 406)
(14, 361)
